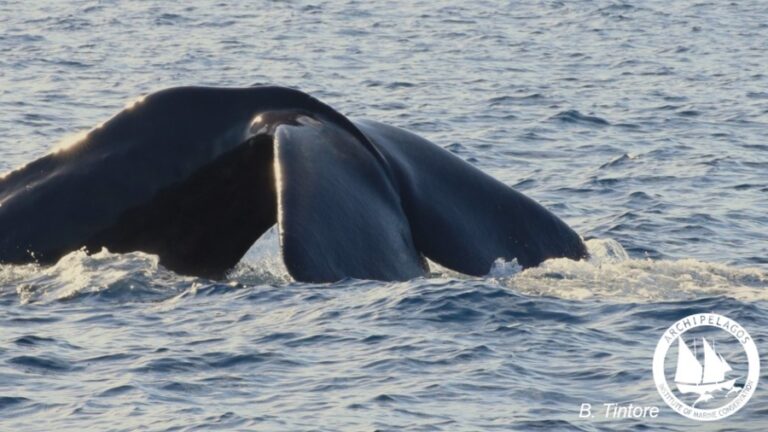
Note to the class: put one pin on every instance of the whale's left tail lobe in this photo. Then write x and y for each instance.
(179, 174)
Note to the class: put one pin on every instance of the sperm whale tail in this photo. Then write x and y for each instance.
(196, 175)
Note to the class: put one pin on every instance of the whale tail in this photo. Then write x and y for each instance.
(197, 175)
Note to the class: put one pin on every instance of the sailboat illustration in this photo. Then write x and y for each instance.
(691, 377)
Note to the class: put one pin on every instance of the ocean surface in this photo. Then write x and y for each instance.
(644, 126)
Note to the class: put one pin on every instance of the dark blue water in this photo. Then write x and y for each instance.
(644, 127)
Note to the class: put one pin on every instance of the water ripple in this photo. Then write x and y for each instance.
(643, 126)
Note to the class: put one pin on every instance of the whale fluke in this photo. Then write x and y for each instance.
(196, 175)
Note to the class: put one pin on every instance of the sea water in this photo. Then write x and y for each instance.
(644, 125)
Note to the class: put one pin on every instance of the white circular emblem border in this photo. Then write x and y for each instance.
(750, 384)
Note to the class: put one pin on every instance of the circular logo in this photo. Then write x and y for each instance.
(709, 381)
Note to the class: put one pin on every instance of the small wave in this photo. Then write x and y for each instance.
(757, 95)
(531, 99)
(619, 161)
(30, 340)
(10, 401)
(689, 113)
(42, 363)
(575, 117)
(170, 19)
(208, 361)
(400, 84)
(117, 390)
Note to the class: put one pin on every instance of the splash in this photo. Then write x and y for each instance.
(130, 277)
(610, 274)
(263, 263)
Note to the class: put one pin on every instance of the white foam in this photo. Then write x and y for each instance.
(78, 273)
(610, 274)
(263, 263)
